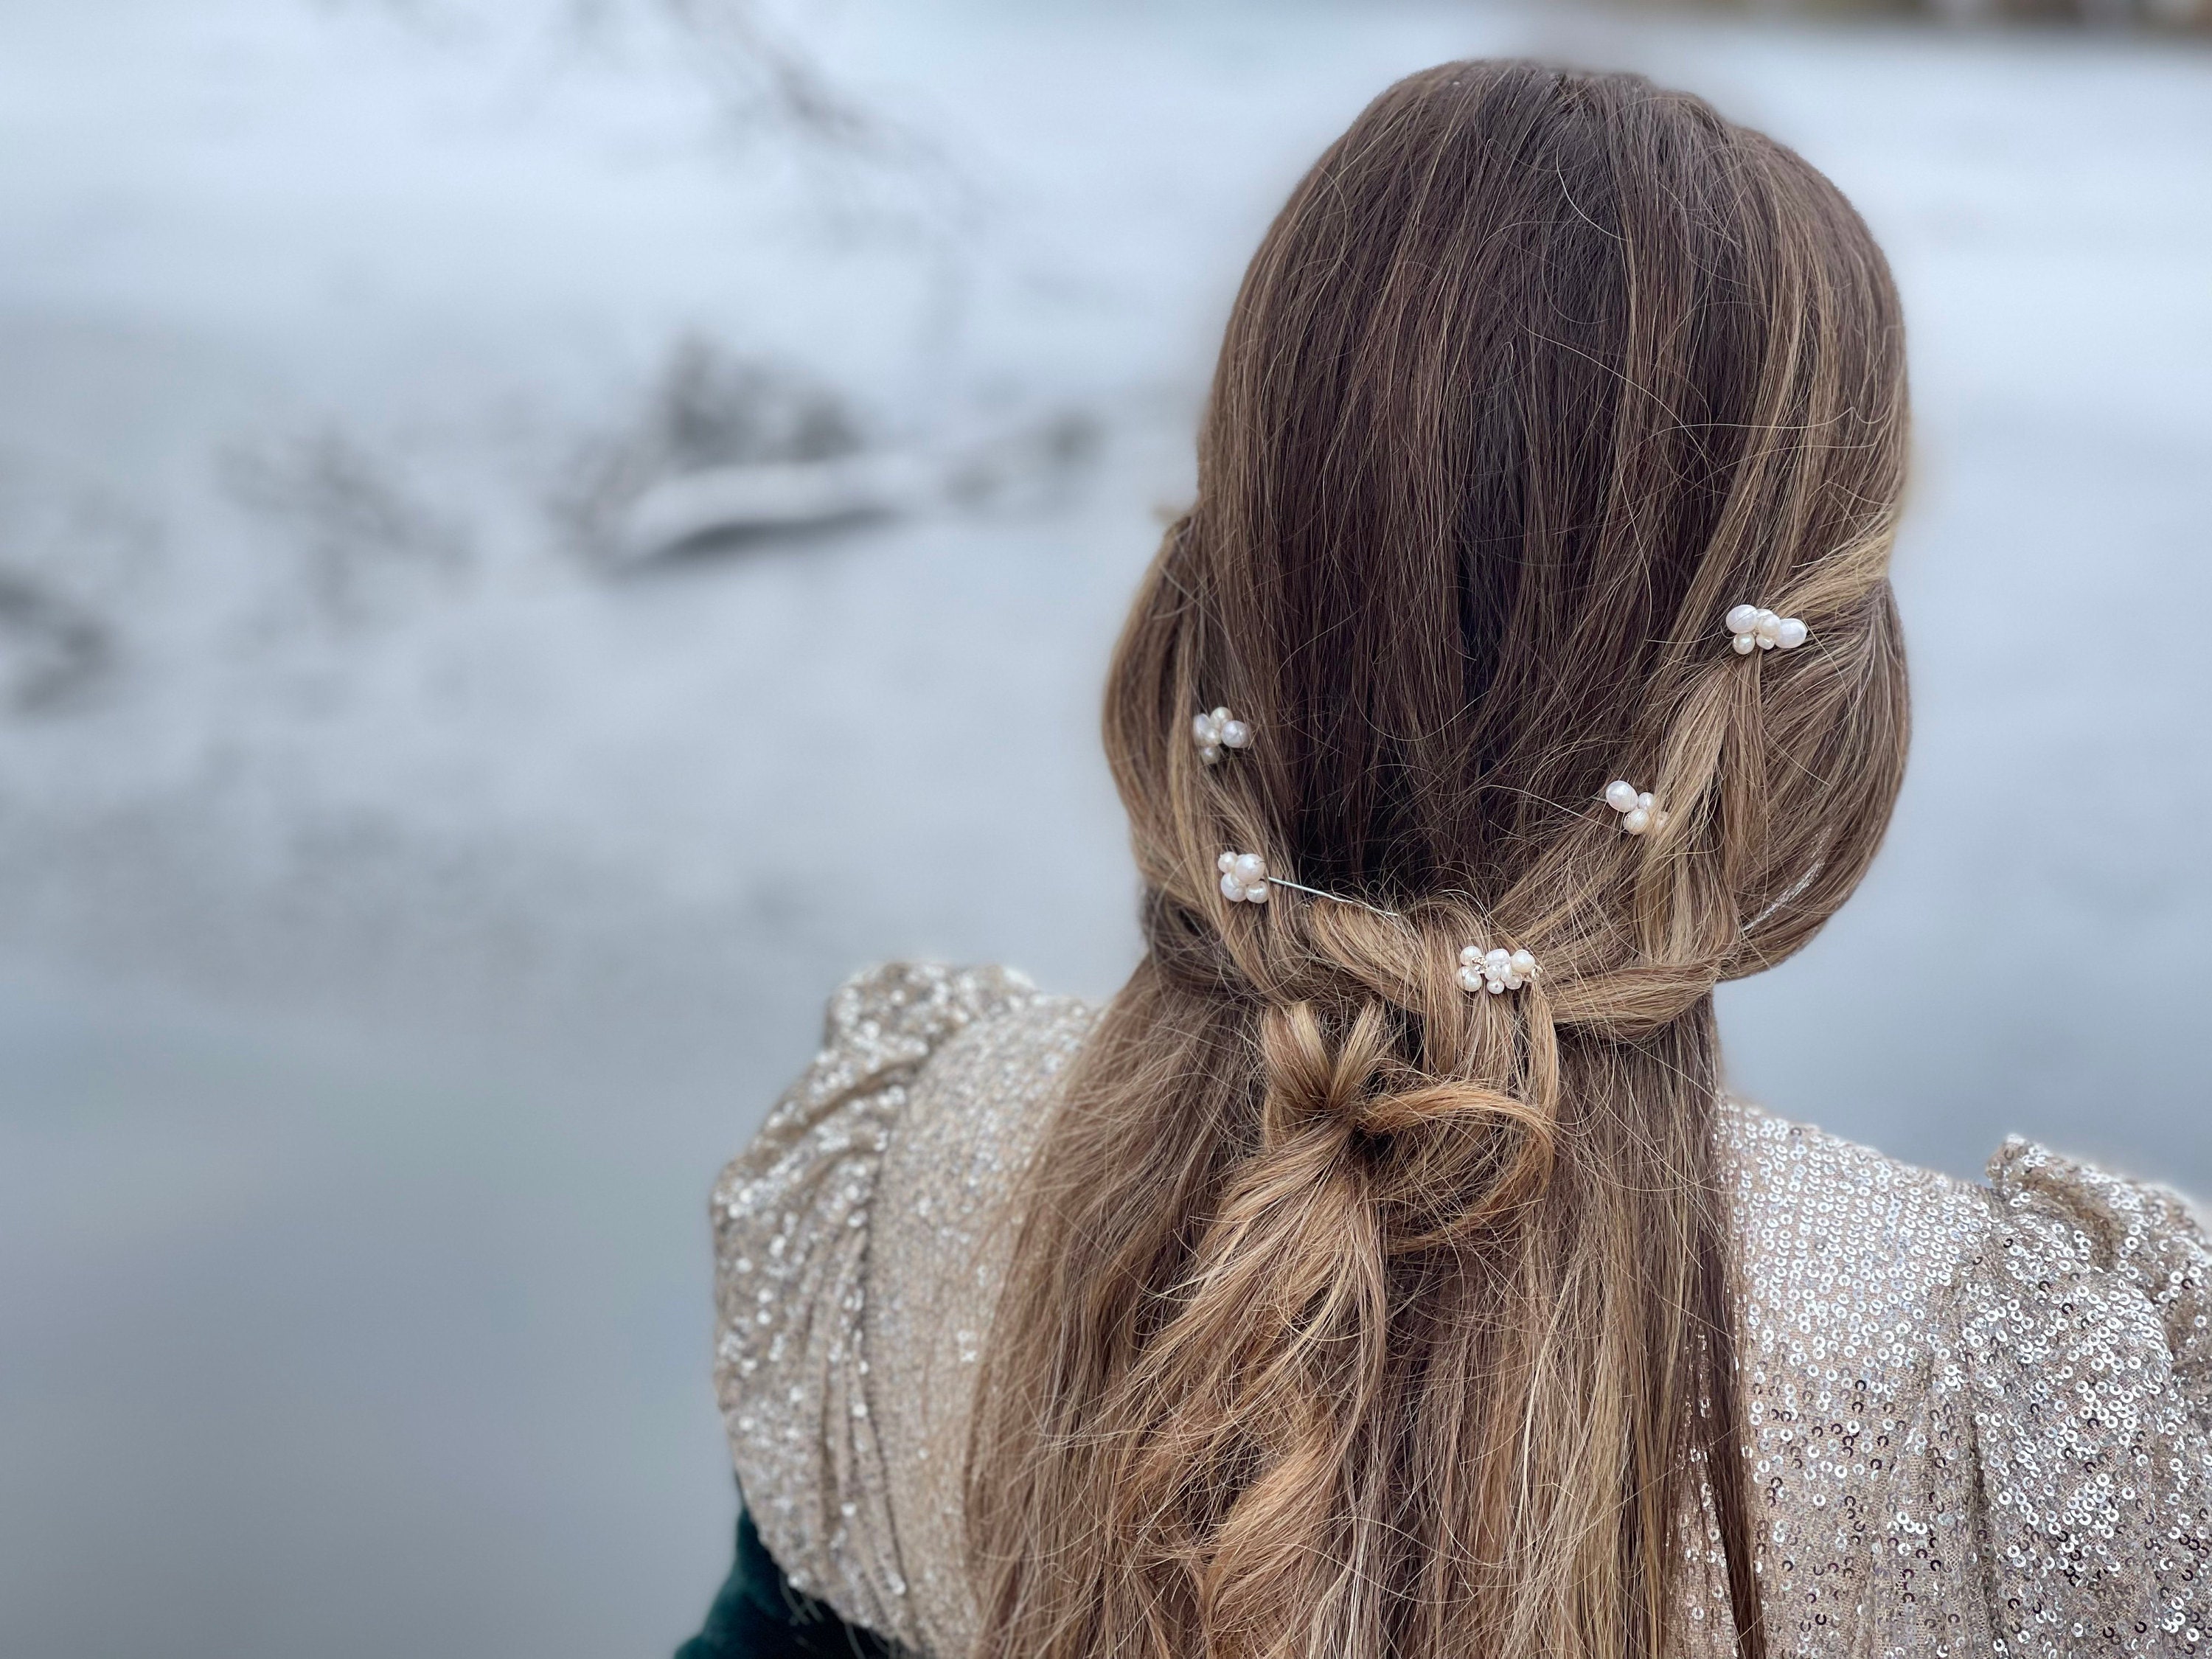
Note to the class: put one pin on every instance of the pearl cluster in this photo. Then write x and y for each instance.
(1638, 812)
(1218, 731)
(1756, 630)
(1496, 970)
(1244, 877)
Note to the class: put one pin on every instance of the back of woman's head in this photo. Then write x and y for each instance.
(1354, 1312)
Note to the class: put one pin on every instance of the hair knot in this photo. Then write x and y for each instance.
(1436, 1156)
(1310, 1077)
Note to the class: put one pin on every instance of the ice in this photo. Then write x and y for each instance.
(404, 910)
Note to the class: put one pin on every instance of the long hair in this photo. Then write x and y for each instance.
(1353, 1314)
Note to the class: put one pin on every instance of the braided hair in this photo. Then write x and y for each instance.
(1354, 1313)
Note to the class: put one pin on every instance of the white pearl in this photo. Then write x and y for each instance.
(1201, 728)
(1659, 819)
(1644, 800)
(1256, 893)
(1219, 715)
(1742, 618)
(1524, 965)
(1497, 957)
(1233, 889)
(1226, 862)
(1209, 754)
(1251, 867)
(1468, 979)
(1790, 634)
(1620, 795)
(1496, 987)
(1765, 642)
(1768, 622)
(1638, 821)
(1746, 644)
(1472, 953)
(1235, 733)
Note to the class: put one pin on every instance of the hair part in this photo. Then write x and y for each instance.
(1352, 1314)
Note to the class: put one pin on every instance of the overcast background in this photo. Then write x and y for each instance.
(409, 897)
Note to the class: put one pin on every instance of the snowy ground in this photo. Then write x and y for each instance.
(401, 915)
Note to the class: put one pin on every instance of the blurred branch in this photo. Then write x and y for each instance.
(50, 647)
(871, 176)
(767, 82)
(708, 409)
(359, 531)
(766, 77)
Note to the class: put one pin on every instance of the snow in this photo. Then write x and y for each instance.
(404, 908)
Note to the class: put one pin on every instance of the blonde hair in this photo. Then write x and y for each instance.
(1353, 1314)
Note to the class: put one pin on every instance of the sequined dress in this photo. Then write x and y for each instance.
(1980, 1417)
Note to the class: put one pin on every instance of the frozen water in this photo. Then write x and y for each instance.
(407, 912)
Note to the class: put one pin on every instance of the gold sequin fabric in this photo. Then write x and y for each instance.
(1979, 1416)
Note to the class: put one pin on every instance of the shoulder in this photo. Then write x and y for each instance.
(888, 1019)
(905, 1046)
(883, 1029)
(1796, 1181)
(1815, 1212)
(2008, 1382)
(971, 1120)
(2076, 1366)
(1834, 1233)
(2089, 1306)
(976, 1101)
(2146, 1242)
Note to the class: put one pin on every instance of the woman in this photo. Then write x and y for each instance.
(1383, 1271)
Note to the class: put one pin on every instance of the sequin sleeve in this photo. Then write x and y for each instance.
(2084, 1361)
(791, 1244)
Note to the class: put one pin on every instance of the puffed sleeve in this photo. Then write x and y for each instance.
(2085, 1368)
(791, 1241)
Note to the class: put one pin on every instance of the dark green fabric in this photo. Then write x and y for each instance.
(757, 1615)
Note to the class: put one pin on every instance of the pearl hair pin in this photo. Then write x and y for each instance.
(1756, 630)
(1218, 731)
(1496, 971)
(1638, 812)
(1245, 880)
(1244, 877)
